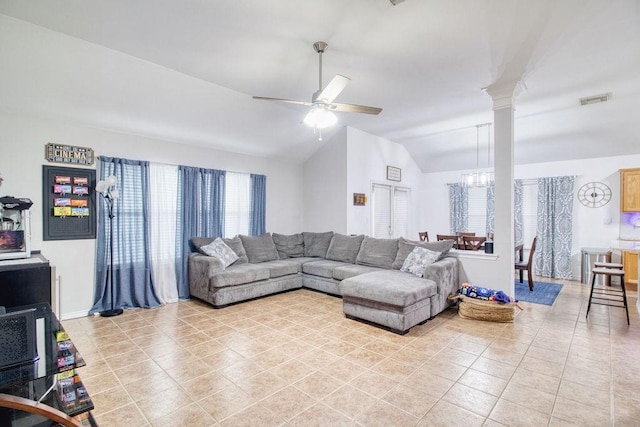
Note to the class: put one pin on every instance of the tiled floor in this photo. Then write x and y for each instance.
(294, 359)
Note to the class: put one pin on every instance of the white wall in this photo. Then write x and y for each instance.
(325, 177)
(367, 159)
(593, 227)
(22, 143)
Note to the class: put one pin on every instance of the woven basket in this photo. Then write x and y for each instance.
(490, 311)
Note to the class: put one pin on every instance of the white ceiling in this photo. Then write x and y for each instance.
(185, 70)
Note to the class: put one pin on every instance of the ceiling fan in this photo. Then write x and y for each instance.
(322, 106)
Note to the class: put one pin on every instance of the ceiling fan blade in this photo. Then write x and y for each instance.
(353, 108)
(333, 89)
(288, 101)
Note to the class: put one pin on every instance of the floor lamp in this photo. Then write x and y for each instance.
(107, 189)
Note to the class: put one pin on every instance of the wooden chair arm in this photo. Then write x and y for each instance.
(31, 406)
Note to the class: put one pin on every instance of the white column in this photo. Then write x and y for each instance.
(503, 95)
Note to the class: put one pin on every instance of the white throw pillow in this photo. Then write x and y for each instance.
(418, 261)
(219, 249)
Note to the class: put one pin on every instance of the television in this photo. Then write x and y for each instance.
(18, 338)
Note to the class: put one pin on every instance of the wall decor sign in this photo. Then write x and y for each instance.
(68, 203)
(59, 153)
(394, 173)
(359, 199)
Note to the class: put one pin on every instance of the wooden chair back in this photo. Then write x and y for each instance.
(440, 237)
(473, 243)
(424, 236)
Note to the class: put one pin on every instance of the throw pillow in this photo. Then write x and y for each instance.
(198, 242)
(406, 246)
(289, 246)
(260, 248)
(377, 252)
(236, 245)
(316, 244)
(418, 261)
(219, 249)
(344, 248)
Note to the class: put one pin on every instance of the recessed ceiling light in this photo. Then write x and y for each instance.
(595, 99)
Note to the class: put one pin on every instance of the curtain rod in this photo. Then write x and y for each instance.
(173, 164)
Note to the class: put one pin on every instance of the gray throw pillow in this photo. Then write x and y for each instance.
(236, 245)
(289, 246)
(406, 246)
(198, 242)
(344, 248)
(260, 248)
(316, 244)
(377, 252)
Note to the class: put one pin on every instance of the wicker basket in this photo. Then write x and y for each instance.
(490, 311)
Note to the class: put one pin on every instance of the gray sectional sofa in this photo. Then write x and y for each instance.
(364, 271)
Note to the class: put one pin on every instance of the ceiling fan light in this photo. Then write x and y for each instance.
(320, 118)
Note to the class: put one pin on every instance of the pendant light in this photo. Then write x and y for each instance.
(480, 178)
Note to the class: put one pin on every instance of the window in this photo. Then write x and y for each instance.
(477, 220)
(390, 209)
(237, 204)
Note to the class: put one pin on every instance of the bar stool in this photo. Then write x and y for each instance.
(607, 264)
(608, 296)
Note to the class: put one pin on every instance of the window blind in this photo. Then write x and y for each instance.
(237, 204)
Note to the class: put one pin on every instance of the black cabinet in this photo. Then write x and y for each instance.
(25, 281)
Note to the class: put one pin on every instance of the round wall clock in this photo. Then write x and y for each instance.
(594, 194)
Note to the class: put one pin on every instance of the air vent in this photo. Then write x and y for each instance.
(595, 99)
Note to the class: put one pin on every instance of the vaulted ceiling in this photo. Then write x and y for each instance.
(185, 71)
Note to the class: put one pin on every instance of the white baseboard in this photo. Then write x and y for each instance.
(74, 315)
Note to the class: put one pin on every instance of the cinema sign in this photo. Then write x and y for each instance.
(59, 153)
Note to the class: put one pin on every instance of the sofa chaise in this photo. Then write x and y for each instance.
(364, 271)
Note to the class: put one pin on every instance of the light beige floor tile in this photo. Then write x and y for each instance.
(512, 414)
(129, 415)
(580, 414)
(471, 399)
(191, 415)
(155, 383)
(493, 367)
(255, 415)
(321, 415)
(318, 385)
(447, 414)
(344, 370)
(110, 399)
(529, 397)
(373, 383)
(599, 398)
(350, 401)
(226, 402)
(383, 414)
(415, 402)
(483, 382)
(627, 408)
(288, 402)
(536, 380)
(161, 404)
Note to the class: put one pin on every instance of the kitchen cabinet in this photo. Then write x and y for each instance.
(630, 190)
(630, 265)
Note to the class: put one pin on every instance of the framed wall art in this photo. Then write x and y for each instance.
(394, 174)
(68, 203)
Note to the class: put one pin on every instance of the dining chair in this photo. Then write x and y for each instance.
(521, 266)
(440, 237)
(424, 236)
(473, 243)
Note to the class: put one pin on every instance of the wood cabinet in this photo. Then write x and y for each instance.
(630, 265)
(630, 190)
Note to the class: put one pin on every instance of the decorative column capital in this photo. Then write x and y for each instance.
(503, 94)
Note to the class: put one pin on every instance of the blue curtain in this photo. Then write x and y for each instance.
(518, 219)
(132, 280)
(258, 205)
(202, 214)
(517, 210)
(458, 207)
(554, 229)
(491, 208)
